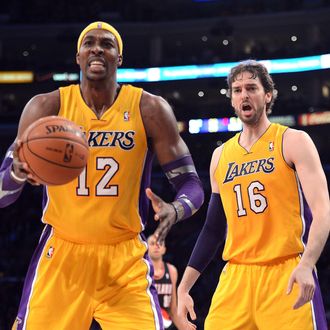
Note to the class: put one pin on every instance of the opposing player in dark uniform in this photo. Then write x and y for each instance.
(91, 260)
(269, 181)
(165, 277)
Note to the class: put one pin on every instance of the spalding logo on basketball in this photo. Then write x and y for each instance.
(55, 149)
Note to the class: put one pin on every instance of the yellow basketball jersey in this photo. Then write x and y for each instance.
(262, 199)
(106, 204)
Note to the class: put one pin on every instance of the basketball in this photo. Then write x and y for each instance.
(55, 149)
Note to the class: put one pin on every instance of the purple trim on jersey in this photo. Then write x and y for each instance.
(308, 217)
(318, 307)
(30, 276)
(153, 290)
(44, 197)
(145, 183)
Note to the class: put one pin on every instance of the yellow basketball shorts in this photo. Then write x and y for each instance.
(69, 284)
(253, 297)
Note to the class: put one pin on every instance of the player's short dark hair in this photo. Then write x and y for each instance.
(257, 70)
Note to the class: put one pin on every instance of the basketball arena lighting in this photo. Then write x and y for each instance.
(298, 64)
(233, 124)
(185, 72)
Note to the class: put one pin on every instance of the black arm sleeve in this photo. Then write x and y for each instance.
(212, 235)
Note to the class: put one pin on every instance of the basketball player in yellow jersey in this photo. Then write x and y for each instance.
(263, 183)
(92, 261)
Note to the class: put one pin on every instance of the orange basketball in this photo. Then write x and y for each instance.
(55, 149)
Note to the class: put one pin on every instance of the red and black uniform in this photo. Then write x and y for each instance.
(164, 289)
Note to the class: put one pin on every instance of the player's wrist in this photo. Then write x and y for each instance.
(16, 178)
(183, 289)
(179, 210)
(306, 264)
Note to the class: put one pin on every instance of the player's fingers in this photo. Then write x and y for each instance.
(152, 196)
(18, 143)
(192, 312)
(311, 292)
(308, 292)
(299, 302)
(32, 180)
(290, 284)
(162, 231)
(305, 294)
(192, 326)
(156, 201)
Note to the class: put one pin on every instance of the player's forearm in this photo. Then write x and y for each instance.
(317, 238)
(9, 188)
(189, 278)
(211, 236)
(183, 176)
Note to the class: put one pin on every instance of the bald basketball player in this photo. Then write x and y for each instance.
(91, 260)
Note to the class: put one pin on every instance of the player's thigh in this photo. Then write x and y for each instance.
(52, 297)
(231, 302)
(130, 302)
(138, 312)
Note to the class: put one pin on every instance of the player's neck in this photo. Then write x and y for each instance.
(159, 268)
(98, 97)
(252, 133)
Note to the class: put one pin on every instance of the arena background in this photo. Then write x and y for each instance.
(37, 54)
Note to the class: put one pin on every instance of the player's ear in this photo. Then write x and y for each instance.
(77, 58)
(269, 97)
(120, 60)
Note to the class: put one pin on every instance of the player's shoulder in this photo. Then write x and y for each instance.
(172, 270)
(156, 112)
(292, 135)
(169, 265)
(217, 154)
(297, 144)
(153, 102)
(41, 105)
(48, 101)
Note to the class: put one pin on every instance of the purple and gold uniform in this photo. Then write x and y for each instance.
(268, 222)
(97, 218)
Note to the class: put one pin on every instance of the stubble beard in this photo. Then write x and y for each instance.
(252, 120)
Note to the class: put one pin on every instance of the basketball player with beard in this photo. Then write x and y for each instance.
(271, 201)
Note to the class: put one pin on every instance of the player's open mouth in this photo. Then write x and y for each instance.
(246, 107)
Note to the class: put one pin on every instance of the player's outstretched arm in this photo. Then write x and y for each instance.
(208, 242)
(174, 157)
(306, 161)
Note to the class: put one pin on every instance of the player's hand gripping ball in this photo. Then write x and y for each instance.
(55, 149)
